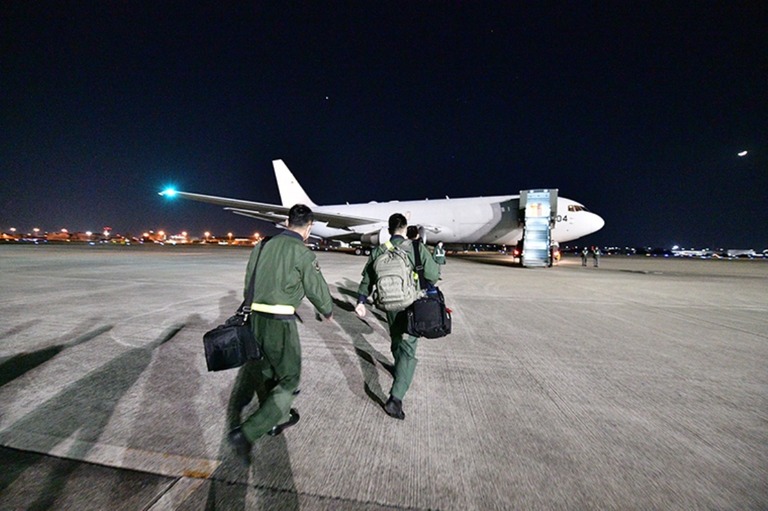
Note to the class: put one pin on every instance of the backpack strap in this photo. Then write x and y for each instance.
(245, 308)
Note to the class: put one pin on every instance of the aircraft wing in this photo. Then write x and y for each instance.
(274, 212)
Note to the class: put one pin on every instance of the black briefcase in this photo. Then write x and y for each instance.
(230, 345)
(428, 316)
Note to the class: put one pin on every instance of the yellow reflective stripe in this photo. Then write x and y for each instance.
(389, 245)
(282, 310)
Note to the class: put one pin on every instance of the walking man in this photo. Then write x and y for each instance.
(286, 271)
(403, 346)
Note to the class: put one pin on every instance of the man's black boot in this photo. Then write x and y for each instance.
(241, 445)
(294, 418)
(394, 408)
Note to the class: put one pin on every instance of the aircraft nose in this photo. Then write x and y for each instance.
(596, 222)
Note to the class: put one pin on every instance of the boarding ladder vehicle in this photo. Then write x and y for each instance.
(538, 212)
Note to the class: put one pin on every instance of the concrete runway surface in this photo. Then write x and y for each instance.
(641, 384)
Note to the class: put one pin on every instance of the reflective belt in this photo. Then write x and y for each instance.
(277, 310)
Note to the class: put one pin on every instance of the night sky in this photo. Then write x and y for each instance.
(635, 109)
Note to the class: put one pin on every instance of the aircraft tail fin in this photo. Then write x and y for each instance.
(291, 191)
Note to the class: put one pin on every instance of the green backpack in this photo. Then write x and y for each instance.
(396, 286)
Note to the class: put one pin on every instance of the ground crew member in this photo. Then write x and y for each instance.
(286, 272)
(439, 258)
(596, 255)
(584, 254)
(403, 346)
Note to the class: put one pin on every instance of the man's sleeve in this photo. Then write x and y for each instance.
(431, 269)
(364, 289)
(315, 286)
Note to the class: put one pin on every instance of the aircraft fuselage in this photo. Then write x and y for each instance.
(492, 220)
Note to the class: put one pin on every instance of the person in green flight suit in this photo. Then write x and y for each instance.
(286, 272)
(403, 346)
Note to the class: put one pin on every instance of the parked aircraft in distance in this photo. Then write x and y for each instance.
(490, 220)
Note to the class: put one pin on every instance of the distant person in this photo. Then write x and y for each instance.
(584, 255)
(412, 233)
(439, 256)
(286, 272)
(596, 256)
(403, 346)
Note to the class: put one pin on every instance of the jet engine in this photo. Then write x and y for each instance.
(376, 237)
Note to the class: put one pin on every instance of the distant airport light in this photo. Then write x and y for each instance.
(743, 154)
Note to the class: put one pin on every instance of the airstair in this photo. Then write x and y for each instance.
(538, 210)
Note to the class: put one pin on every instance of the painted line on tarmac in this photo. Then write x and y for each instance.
(157, 463)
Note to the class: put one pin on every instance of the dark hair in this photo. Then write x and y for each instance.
(396, 222)
(300, 215)
(413, 232)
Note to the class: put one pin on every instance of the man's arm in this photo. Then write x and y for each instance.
(366, 285)
(315, 286)
(431, 269)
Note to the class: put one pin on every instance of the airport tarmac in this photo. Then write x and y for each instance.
(641, 384)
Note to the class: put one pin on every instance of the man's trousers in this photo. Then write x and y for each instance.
(277, 374)
(404, 351)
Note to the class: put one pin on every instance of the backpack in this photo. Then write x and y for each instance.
(396, 286)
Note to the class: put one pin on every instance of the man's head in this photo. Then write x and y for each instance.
(412, 232)
(397, 224)
(300, 219)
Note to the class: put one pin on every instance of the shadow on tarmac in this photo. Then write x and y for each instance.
(18, 365)
(95, 397)
(356, 328)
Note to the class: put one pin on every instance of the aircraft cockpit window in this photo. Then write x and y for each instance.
(576, 207)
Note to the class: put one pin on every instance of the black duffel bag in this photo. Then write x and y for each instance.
(428, 317)
(231, 345)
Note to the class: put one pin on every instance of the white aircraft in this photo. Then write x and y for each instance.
(489, 220)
